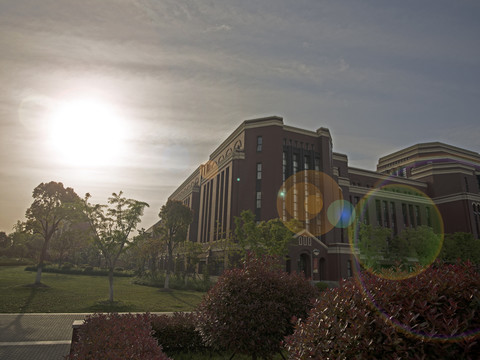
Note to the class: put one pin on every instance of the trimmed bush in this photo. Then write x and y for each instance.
(321, 286)
(434, 315)
(67, 266)
(114, 336)
(249, 310)
(177, 333)
(80, 271)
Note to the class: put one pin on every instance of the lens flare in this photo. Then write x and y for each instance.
(377, 238)
(306, 196)
(341, 213)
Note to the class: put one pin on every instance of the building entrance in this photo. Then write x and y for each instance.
(305, 265)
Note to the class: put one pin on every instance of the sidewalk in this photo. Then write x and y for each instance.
(36, 336)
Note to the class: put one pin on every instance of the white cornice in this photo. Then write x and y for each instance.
(340, 157)
(456, 197)
(421, 151)
(441, 169)
(383, 177)
(299, 131)
(191, 178)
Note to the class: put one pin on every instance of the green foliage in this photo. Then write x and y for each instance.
(52, 205)
(434, 315)
(172, 228)
(420, 243)
(373, 245)
(69, 269)
(176, 283)
(177, 333)
(460, 246)
(321, 286)
(378, 248)
(265, 238)
(111, 226)
(5, 241)
(249, 310)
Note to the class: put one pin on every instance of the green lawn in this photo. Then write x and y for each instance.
(83, 293)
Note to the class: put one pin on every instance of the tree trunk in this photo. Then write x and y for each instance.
(38, 278)
(167, 280)
(169, 266)
(110, 281)
(43, 254)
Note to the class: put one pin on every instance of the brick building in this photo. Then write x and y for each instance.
(279, 171)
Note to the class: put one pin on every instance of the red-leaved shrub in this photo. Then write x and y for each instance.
(115, 337)
(434, 315)
(177, 333)
(249, 310)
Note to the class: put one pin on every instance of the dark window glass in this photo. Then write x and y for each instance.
(259, 143)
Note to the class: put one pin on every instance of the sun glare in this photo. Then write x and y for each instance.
(86, 133)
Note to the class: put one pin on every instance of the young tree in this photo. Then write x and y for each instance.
(111, 225)
(419, 243)
(52, 205)
(172, 228)
(265, 238)
(373, 245)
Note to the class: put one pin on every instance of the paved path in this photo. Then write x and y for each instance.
(36, 336)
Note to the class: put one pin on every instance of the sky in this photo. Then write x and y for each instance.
(172, 79)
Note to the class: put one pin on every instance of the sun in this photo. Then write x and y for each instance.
(86, 132)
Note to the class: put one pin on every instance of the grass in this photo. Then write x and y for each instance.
(83, 293)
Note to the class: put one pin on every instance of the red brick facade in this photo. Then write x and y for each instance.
(253, 168)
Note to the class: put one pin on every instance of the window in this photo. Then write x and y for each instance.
(417, 215)
(317, 164)
(378, 212)
(259, 199)
(412, 218)
(306, 162)
(259, 143)
(393, 213)
(405, 215)
(385, 214)
(295, 163)
(259, 171)
(349, 268)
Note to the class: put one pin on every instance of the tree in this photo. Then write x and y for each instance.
(5, 241)
(419, 243)
(460, 246)
(265, 238)
(373, 245)
(111, 225)
(69, 239)
(172, 228)
(191, 252)
(52, 205)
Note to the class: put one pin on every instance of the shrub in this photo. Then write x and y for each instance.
(249, 310)
(434, 315)
(88, 269)
(321, 286)
(177, 333)
(114, 336)
(67, 266)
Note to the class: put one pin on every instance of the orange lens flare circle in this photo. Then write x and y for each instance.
(305, 197)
